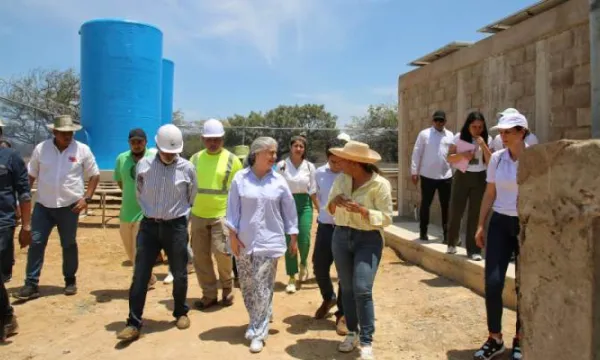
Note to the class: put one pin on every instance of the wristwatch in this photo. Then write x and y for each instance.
(87, 199)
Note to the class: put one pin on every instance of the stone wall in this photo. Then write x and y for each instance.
(540, 66)
(559, 264)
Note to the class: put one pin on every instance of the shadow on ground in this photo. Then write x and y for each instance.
(108, 295)
(233, 335)
(45, 291)
(318, 349)
(301, 324)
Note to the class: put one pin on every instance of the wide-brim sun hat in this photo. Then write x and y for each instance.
(358, 152)
(64, 123)
(510, 121)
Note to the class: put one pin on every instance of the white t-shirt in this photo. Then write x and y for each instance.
(497, 144)
(476, 164)
(301, 180)
(502, 171)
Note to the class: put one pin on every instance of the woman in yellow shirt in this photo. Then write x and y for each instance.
(361, 204)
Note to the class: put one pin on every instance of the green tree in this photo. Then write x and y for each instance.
(379, 129)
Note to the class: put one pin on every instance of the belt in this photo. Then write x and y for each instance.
(163, 220)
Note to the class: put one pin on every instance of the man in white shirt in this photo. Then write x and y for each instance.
(429, 165)
(60, 166)
(530, 138)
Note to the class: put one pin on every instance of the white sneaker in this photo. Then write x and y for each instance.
(256, 346)
(291, 287)
(303, 273)
(168, 279)
(451, 250)
(366, 352)
(476, 257)
(349, 344)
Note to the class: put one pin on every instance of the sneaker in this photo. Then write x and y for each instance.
(205, 303)
(9, 329)
(183, 322)
(451, 250)
(70, 289)
(256, 346)
(227, 298)
(340, 326)
(516, 350)
(475, 257)
(291, 287)
(303, 273)
(489, 350)
(130, 333)
(323, 310)
(27, 292)
(423, 237)
(349, 344)
(366, 352)
(168, 279)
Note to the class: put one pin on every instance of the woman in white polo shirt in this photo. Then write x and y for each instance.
(468, 186)
(503, 231)
(300, 176)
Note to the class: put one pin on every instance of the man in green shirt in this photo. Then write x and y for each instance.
(131, 213)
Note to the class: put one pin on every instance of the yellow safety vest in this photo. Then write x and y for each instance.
(213, 173)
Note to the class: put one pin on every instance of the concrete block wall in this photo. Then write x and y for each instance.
(540, 66)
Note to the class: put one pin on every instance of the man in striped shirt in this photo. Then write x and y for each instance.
(166, 187)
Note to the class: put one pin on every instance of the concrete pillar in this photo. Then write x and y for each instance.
(559, 269)
(542, 90)
(402, 146)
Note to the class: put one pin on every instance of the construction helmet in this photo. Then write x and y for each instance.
(169, 139)
(213, 128)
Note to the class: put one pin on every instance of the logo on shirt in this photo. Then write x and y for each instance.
(72, 159)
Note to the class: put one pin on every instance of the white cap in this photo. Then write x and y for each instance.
(169, 139)
(213, 128)
(507, 111)
(344, 136)
(510, 121)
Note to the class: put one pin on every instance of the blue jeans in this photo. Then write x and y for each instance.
(7, 253)
(357, 254)
(322, 260)
(502, 242)
(43, 222)
(154, 236)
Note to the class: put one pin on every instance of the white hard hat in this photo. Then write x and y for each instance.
(344, 136)
(169, 139)
(213, 128)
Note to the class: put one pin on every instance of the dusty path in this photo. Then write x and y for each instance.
(419, 315)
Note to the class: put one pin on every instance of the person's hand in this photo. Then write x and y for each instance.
(293, 247)
(340, 200)
(25, 237)
(80, 206)
(236, 244)
(415, 179)
(479, 239)
(480, 141)
(355, 207)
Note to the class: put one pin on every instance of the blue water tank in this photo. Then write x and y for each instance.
(121, 76)
(168, 73)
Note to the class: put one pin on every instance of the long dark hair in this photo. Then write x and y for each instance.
(370, 168)
(465, 134)
(300, 139)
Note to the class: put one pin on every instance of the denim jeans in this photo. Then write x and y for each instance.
(154, 236)
(7, 253)
(43, 222)
(357, 254)
(502, 241)
(322, 260)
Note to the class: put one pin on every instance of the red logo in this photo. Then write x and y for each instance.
(72, 159)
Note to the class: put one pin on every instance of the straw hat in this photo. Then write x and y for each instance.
(64, 123)
(357, 151)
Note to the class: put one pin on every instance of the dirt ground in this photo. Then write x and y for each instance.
(418, 315)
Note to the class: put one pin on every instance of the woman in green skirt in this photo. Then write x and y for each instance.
(300, 176)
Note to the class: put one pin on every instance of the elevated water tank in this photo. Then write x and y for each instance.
(168, 73)
(121, 75)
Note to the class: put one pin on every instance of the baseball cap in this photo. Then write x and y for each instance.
(137, 134)
(439, 115)
(507, 111)
(510, 121)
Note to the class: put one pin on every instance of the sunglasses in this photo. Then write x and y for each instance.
(439, 120)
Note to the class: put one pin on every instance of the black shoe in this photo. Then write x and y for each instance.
(516, 350)
(70, 289)
(489, 350)
(27, 292)
(423, 237)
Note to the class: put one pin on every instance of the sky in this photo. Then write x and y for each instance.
(236, 56)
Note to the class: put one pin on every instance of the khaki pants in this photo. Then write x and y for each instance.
(128, 235)
(209, 236)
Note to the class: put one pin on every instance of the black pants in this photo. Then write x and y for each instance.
(428, 188)
(322, 260)
(154, 235)
(7, 253)
(467, 188)
(502, 242)
(6, 311)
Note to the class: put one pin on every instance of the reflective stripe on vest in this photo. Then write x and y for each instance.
(224, 190)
